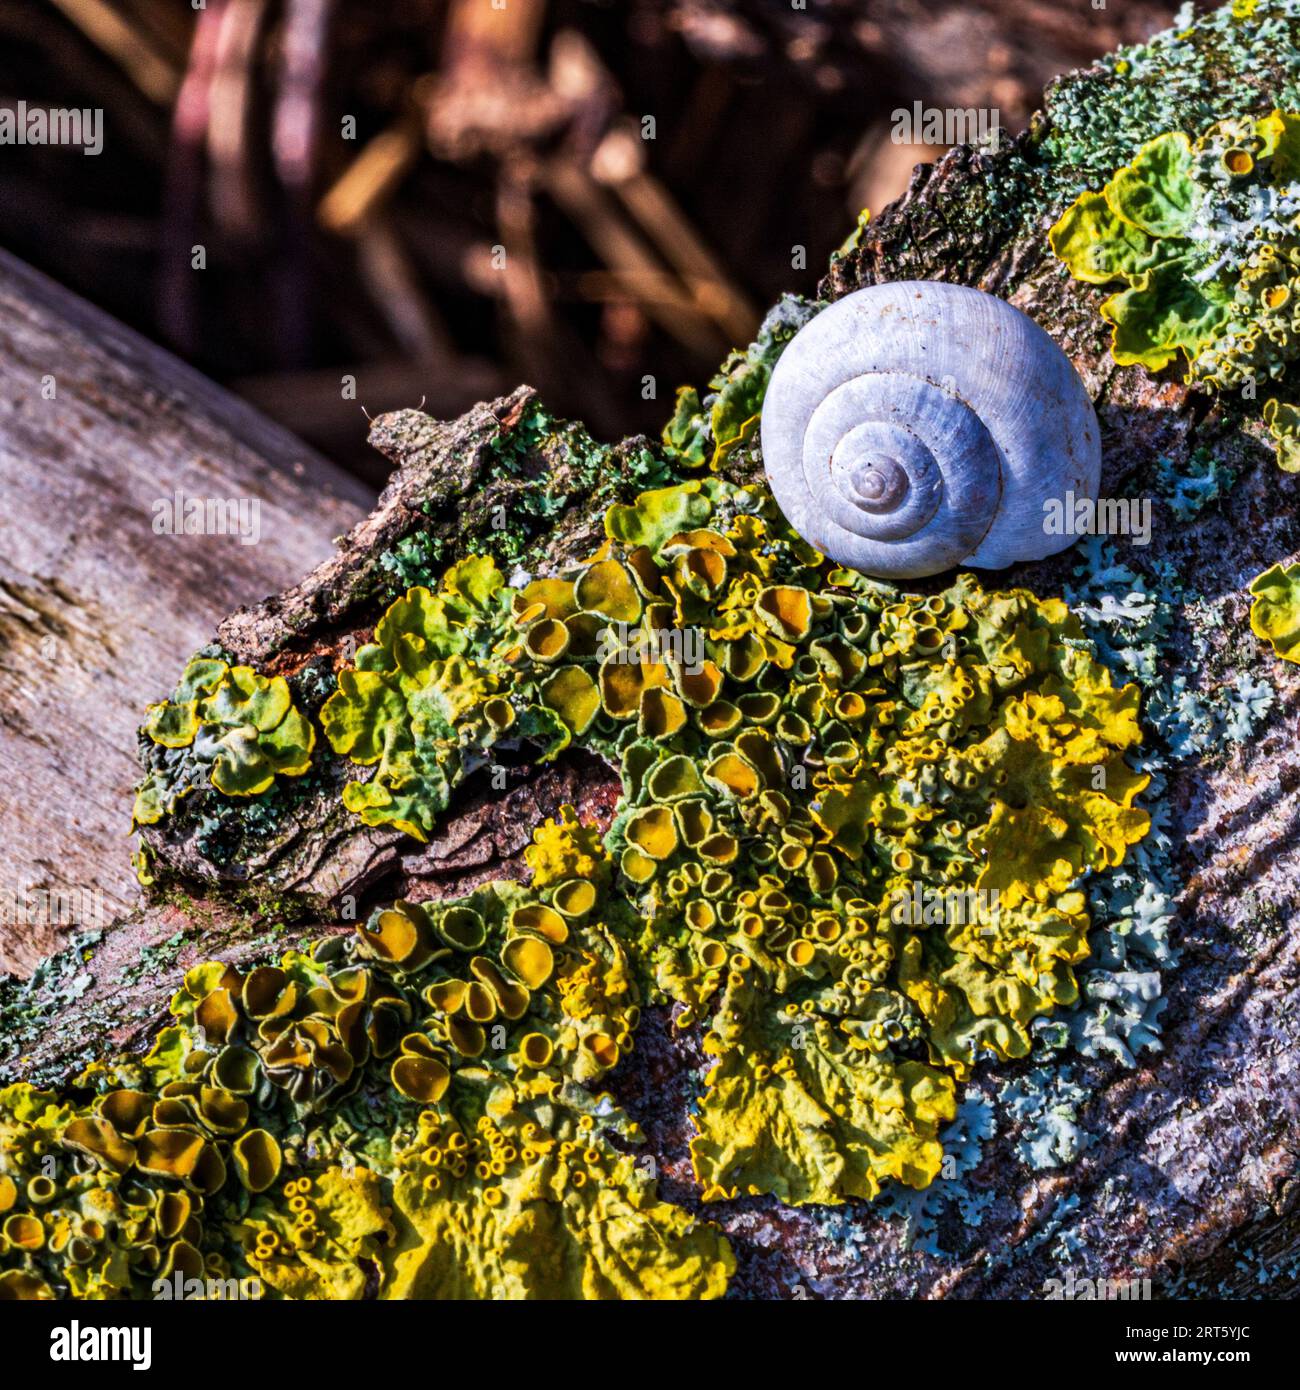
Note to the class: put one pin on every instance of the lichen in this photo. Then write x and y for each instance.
(831, 742)
(804, 754)
(417, 697)
(425, 1117)
(918, 1214)
(1236, 58)
(224, 726)
(1046, 1103)
(711, 429)
(1195, 484)
(1275, 612)
(1130, 617)
(466, 1034)
(1203, 235)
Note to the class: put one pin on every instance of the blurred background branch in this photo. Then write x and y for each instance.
(436, 199)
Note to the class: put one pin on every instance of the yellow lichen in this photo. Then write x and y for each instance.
(1275, 612)
(473, 1027)
(242, 728)
(805, 755)
(798, 747)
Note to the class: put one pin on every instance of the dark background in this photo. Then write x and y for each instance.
(372, 257)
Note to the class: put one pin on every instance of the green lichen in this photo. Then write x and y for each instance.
(504, 498)
(1191, 486)
(227, 831)
(415, 559)
(712, 429)
(1275, 612)
(1093, 122)
(575, 465)
(227, 726)
(420, 1106)
(1203, 234)
(831, 742)
(420, 708)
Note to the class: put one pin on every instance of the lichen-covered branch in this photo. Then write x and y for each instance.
(1102, 1081)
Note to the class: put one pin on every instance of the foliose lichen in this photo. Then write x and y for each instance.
(224, 726)
(1046, 1103)
(801, 751)
(1200, 480)
(710, 430)
(826, 745)
(403, 1111)
(1203, 235)
(1129, 617)
(1275, 612)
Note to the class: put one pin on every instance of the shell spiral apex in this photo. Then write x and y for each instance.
(915, 426)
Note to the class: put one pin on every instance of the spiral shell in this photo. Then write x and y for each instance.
(915, 426)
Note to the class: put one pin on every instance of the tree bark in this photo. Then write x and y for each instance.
(1198, 1147)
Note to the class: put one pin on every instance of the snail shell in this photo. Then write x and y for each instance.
(915, 426)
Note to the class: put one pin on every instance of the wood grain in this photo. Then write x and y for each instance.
(97, 612)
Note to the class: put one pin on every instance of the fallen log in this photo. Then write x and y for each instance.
(99, 431)
(1186, 1168)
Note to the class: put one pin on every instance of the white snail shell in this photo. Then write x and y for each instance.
(915, 426)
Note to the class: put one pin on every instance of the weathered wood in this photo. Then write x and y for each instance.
(1197, 1150)
(320, 863)
(97, 612)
